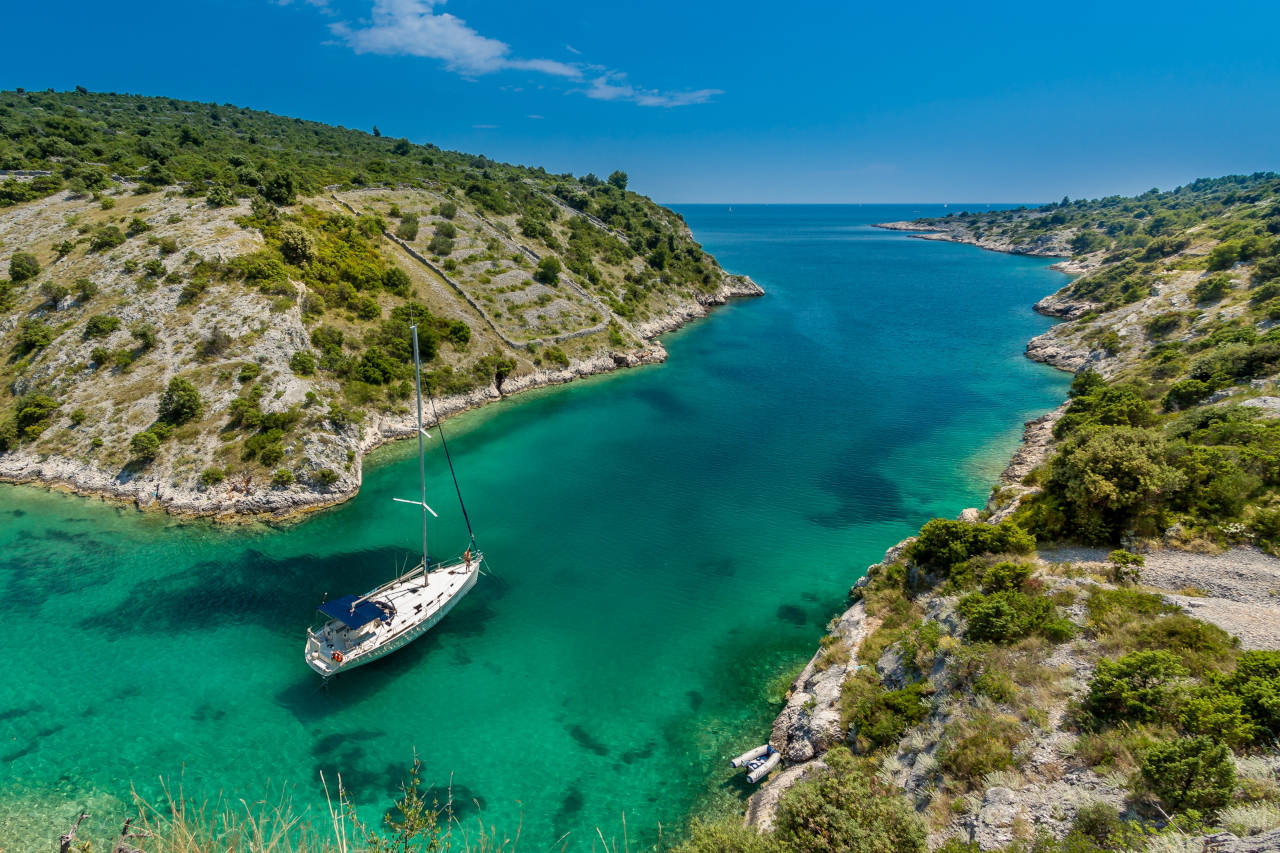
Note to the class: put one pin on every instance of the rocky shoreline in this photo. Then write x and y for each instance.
(233, 504)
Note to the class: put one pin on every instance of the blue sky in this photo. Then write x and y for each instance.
(724, 102)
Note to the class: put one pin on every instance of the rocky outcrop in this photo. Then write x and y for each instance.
(809, 724)
(731, 287)
(1051, 350)
(1065, 306)
(1051, 245)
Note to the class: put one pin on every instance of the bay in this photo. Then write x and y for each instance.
(662, 543)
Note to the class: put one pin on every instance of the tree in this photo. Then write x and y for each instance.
(23, 266)
(1141, 687)
(220, 196)
(548, 271)
(101, 325)
(376, 132)
(618, 179)
(296, 243)
(302, 363)
(180, 402)
(1190, 773)
(280, 188)
(145, 445)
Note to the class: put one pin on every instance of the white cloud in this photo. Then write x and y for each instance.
(484, 126)
(534, 115)
(419, 28)
(613, 86)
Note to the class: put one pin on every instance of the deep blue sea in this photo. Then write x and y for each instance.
(664, 542)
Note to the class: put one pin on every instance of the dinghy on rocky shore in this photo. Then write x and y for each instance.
(759, 762)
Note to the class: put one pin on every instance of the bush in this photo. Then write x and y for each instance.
(249, 371)
(33, 335)
(145, 445)
(848, 809)
(106, 237)
(86, 289)
(1185, 394)
(1009, 615)
(1107, 481)
(727, 836)
(219, 196)
(296, 244)
(942, 542)
(33, 414)
(447, 229)
(1142, 687)
(101, 325)
(440, 245)
(1257, 682)
(878, 718)
(282, 478)
(212, 476)
(408, 228)
(396, 281)
(1211, 288)
(556, 356)
(326, 477)
(548, 271)
(23, 266)
(448, 209)
(1189, 773)
(180, 402)
(1126, 567)
(302, 363)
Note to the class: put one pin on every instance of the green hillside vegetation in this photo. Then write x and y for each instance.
(277, 265)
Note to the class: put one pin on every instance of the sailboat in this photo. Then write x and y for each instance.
(361, 629)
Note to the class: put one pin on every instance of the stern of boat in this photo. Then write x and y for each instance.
(318, 654)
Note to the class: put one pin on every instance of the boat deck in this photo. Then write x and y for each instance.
(415, 606)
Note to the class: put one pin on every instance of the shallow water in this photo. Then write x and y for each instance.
(662, 543)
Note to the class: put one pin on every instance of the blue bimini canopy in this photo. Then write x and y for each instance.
(353, 615)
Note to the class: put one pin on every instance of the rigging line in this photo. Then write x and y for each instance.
(452, 473)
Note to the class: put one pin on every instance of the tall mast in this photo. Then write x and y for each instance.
(422, 464)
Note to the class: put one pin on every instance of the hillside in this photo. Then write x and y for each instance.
(208, 307)
(1090, 663)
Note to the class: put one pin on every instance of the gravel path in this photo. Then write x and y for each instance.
(1239, 590)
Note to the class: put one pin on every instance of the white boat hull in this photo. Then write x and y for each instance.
(419, 604)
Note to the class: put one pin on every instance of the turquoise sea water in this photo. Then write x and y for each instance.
(662, 543)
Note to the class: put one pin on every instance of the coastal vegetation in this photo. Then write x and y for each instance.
(1014, 701)
(275, 266)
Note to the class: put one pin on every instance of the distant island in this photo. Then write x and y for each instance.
(207, 307)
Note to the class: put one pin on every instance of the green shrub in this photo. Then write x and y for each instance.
(302, 363)
(1189, 773)
(1211, 288)
(408, 228)
(101, 325)
(1218, 713)
(440, 245)
(86, 289)
(1107, 481)
(1126, 567)
(1006, 577)
(145, 445)
(878, 717)
(33, 334)
(1142, 687)
(106, 237)
(943, 543)
(848, 809)
(448, 209)
(548, 271)
(180, 402)
(727, 836)
(219, 196)
(249, 371)
(23, 266)
(32, 415)
(1257, 681)
(1202, 646)
(326, 477)
(1009, 615)
(296, 243)
(212, 476)
(1185, 394)
(1095, 404)
(282, 478)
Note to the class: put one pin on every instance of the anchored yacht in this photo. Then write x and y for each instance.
(364, 628)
